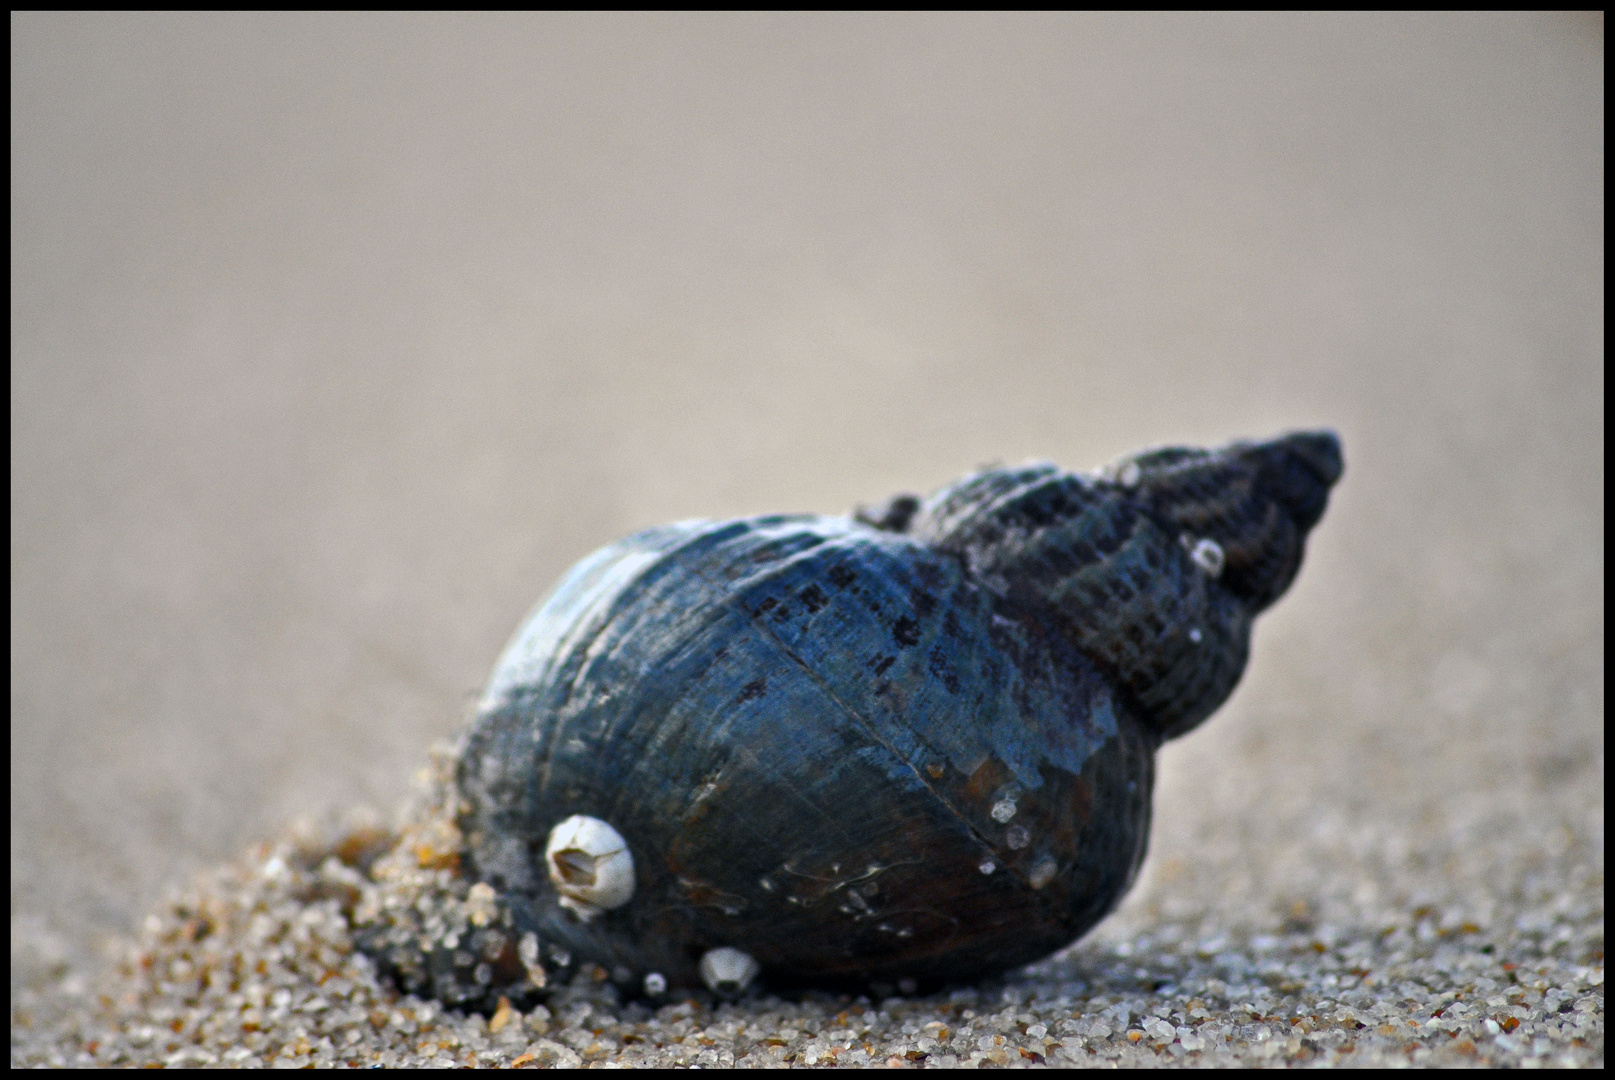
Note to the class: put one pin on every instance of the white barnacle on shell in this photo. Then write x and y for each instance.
(728, 971)
(590, 865)
(1207, 554)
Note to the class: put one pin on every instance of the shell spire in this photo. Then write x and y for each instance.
(1155, 568)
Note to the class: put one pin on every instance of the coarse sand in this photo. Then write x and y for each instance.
(1468, 952)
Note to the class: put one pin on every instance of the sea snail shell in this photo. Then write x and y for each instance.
(916, 744)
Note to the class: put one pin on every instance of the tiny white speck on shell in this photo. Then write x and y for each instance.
(1042, 872)
(1208, 555)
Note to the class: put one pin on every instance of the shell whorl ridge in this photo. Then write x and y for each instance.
(911, 745)
(1111, 558)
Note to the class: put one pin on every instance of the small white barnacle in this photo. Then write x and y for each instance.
(590, 864)
(1003, 810)
(1207, 554)
(728, 971)
(987, 866)
(1126, 473)
(1017, 837)
(1195, 635)
(655, 984)
(1043, 872)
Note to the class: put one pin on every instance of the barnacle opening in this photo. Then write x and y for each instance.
(576, 867)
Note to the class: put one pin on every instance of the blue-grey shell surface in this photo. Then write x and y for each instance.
(916, 745)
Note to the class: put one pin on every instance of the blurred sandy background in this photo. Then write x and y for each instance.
(336, 339)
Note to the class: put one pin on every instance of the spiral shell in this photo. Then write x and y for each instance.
(914, 745)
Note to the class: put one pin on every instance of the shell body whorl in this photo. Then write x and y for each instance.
(918, 746)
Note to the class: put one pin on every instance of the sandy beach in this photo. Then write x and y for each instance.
(336, 339)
